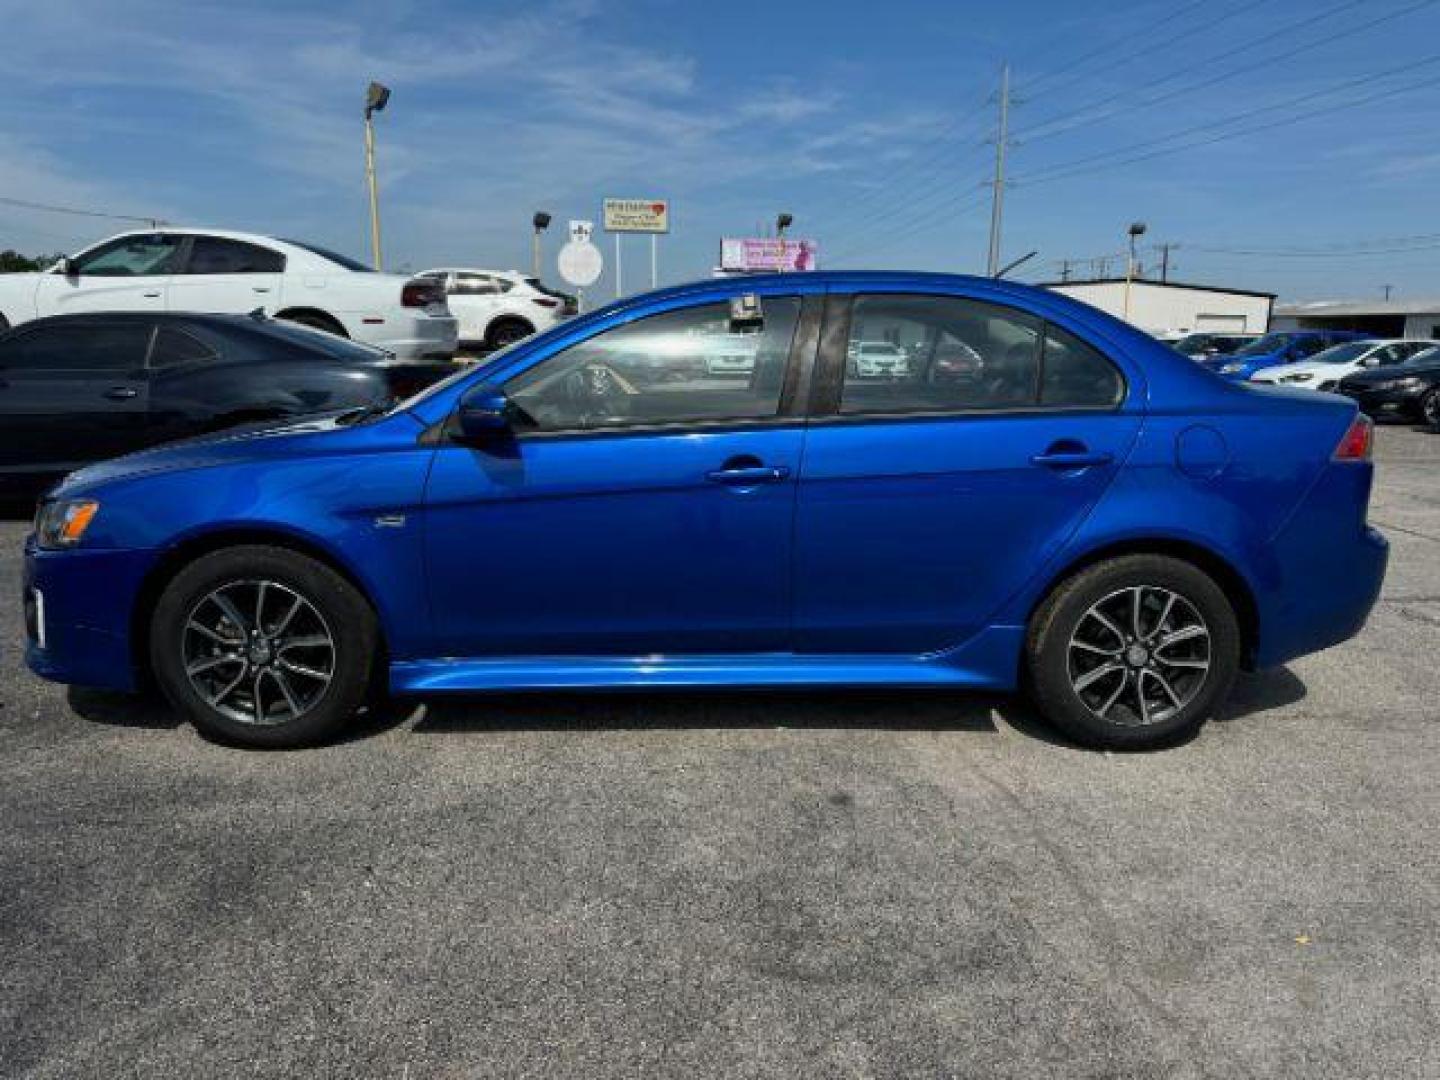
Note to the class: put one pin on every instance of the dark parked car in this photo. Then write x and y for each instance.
(81, 388)
(1408, 391)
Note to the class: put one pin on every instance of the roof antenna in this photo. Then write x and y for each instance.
(1011, 266)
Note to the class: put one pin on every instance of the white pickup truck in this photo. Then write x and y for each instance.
(173, 269)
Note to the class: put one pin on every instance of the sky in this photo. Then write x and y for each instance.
(1282, 145)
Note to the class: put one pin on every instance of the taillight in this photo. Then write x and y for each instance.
(421, 294)
(1358, 441)
(543, 302)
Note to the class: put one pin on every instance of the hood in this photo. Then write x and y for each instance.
(248, 443)
(1306, 367)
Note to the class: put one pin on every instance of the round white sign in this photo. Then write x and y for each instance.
(580, 264)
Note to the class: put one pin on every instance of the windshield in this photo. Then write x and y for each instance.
(1426, 358)
(1268, 344)
(1342, 354)
(321, 339)
(339, 260)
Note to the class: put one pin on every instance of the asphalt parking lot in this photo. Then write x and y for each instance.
(802, 885)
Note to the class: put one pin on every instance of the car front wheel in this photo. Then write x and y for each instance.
(1430, 408)
(262, 646)
(1134, 652)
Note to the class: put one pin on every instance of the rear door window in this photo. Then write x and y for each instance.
(215, 255)
(178, 348)
(107, 347)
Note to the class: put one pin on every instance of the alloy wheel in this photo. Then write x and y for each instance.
(258, 651)
(1139, 655)
(1430, 406)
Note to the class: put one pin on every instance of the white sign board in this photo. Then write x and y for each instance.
(581, 231)
(637, 215)
(580, 264)
(752, 255)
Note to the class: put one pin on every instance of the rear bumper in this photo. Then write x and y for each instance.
(412, 338)
(77, 615)
(1331, 566)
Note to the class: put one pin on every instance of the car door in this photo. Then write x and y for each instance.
(129, 273)
(642, 506)
(72, 392)
(217, 274)
(474, 299)
(927, 499)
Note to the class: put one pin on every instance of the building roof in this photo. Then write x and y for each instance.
(1357, 308)
(1147, 282)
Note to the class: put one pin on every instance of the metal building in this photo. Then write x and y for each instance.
(1382, 318)
(1170, 308)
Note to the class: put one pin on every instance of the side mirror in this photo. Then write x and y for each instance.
(66, 266)
(484, 412)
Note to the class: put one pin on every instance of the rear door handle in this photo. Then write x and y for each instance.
(121, 393)
(151, 295)
(747, 475)
(1071, 459)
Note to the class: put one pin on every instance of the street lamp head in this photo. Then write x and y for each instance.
(376, 98)
(541, 221)
(1137, 228)
(783, 222)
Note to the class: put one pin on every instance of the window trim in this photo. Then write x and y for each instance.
(790, 410)
(189, 240)
(826, 399)
(151, 365)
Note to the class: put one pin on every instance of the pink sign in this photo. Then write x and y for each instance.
(752, 254)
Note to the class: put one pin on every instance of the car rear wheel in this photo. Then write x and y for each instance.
(1430, 408)
(1134, 652)
(315, 321)
(505, 332)
(262, 646)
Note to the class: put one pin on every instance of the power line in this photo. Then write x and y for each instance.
(1038, 131)
(1094, 162)
(1028, 88)
(24, 204)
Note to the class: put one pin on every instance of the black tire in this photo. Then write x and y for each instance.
(315, 321)
(507, 331)
(334, 609)
(1175, 696)
(1430, 409)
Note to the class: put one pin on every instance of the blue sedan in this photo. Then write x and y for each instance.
(1036, 497)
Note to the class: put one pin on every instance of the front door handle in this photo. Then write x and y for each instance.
(151, 295)
(261, 288)
(748, 475)
(1071, 459)
(121, 393)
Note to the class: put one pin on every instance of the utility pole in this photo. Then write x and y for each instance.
(1002, 141)
(1064, 269)
(1165, 260)
(1387, 289)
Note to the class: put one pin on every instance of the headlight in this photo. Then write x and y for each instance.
(1304, 376)
(61, 524)
(1231, 369)
(1412, 382)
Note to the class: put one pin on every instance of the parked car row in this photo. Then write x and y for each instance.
(1388, 377)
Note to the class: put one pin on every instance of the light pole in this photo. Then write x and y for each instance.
(541, 222)
(376, 98)
(1137, 230)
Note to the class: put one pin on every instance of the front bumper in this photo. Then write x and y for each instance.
(78, 607)
(1381, 404)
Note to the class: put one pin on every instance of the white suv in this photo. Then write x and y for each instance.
(499, 307)
(213, 271)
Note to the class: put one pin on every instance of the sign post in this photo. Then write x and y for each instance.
(637, 216)
(580, 262)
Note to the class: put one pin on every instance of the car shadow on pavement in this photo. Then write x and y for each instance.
(117, 709)
(652, 710)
